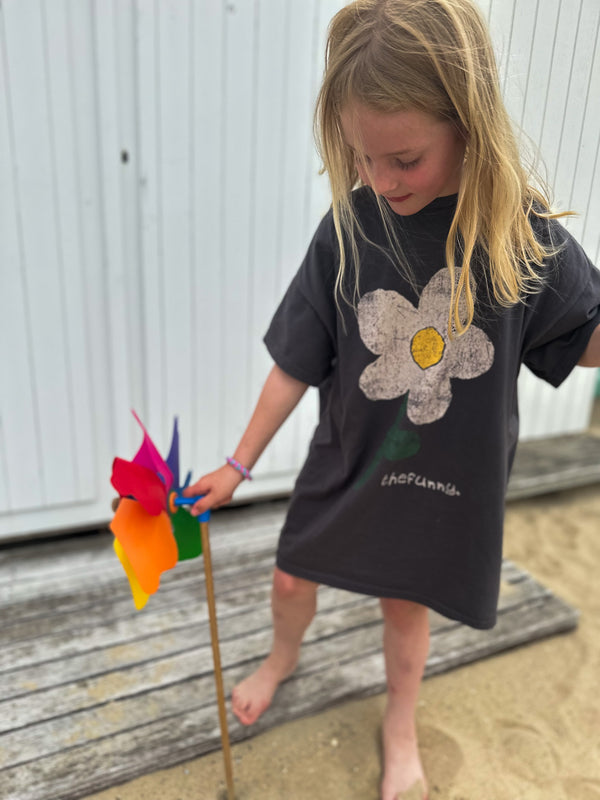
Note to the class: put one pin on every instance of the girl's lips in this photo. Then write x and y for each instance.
(398, 199)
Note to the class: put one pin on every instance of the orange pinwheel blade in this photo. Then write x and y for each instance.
(147, 540)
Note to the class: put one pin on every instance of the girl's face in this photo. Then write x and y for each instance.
(407, 157)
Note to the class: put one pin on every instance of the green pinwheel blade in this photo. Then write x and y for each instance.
(186, 530)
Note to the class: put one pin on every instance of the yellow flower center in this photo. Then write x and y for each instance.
(427, 348)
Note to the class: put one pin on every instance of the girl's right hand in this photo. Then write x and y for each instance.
(217, 487)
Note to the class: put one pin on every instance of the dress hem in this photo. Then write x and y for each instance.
(400, 594)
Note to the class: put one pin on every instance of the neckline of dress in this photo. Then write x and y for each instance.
(439, 204)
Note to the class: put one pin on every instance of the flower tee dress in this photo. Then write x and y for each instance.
(402, 492)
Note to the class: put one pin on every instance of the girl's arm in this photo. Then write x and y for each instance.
(279, 396)
(591, 354)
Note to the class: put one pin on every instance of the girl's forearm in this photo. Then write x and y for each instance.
(280, 395)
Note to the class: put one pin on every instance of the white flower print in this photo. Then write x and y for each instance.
(416, 355)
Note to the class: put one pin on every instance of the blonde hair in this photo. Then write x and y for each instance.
(434, 56)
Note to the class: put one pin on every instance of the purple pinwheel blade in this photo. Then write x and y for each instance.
(173, 457)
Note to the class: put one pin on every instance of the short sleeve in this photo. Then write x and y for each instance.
(302, 335)
(562, 317)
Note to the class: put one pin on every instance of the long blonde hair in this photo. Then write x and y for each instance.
(435, 56)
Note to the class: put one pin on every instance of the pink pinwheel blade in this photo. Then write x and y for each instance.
(148, 456)
(130, 479)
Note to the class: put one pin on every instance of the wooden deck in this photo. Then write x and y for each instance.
(93, 693)
(550, 465)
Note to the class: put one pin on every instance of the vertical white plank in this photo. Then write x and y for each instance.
(519, 56)
(238, 213)
(114, 40)
(177, 157)
(4, 490)
(66, 178)
(575, 112)
(586, 144)
(80, 20)
(167, 153)
(320, 193)
(590, 236)
(34, 155)
(501, 19)
(543, 48)
(207, 239)
(149, 124)
(20, 441)
(269, 99)
(485, 6)
(556, 124)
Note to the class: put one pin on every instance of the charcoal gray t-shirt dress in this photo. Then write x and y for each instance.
(402, 492)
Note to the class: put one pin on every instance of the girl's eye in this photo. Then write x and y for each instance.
(407, 164)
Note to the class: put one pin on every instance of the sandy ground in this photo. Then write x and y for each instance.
(524, 725)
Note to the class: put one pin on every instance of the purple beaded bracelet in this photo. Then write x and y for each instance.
(245, 473)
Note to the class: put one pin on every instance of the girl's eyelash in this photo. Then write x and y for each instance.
(407, 164)
(400, 164)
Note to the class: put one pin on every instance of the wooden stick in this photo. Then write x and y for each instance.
(214, 635)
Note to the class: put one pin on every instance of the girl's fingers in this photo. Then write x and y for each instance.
(196, 488)
(202, 505)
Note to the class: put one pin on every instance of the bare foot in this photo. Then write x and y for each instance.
(403, 777)
(253, 696)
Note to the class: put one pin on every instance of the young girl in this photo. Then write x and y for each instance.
(438, 270)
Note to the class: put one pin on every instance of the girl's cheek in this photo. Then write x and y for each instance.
(362, 174)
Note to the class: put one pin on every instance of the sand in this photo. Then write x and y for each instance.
(524, 725)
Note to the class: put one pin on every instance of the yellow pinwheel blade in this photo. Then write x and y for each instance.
(140, 598)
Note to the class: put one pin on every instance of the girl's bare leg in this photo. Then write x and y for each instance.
(405, 644)
(293, 603)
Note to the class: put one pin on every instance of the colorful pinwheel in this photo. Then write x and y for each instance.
(153, 532)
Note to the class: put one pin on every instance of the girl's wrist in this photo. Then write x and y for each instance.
(240, 468)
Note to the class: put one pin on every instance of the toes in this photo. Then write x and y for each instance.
(245, 715)
(242, 709)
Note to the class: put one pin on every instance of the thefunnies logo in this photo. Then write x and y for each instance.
(411, 478)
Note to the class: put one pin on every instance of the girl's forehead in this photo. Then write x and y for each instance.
(383, 133)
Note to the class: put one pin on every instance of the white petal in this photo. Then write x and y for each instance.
(384, 319)
(436, 295)
(435, 299)
(386, 378)
(429, 401)
(471, 354)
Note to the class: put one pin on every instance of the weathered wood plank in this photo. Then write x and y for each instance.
(81, 682)
(552, 464)
(181, 621)
(47, 712)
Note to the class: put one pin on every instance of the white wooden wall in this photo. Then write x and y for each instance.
(158, 188)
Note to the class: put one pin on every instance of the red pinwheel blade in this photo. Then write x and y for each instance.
(133, 479)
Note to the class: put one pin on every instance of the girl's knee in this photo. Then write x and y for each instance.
(403, 613)
(289, 586)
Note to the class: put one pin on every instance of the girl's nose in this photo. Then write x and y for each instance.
(382, 179)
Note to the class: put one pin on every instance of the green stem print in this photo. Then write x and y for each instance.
(398, 444)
